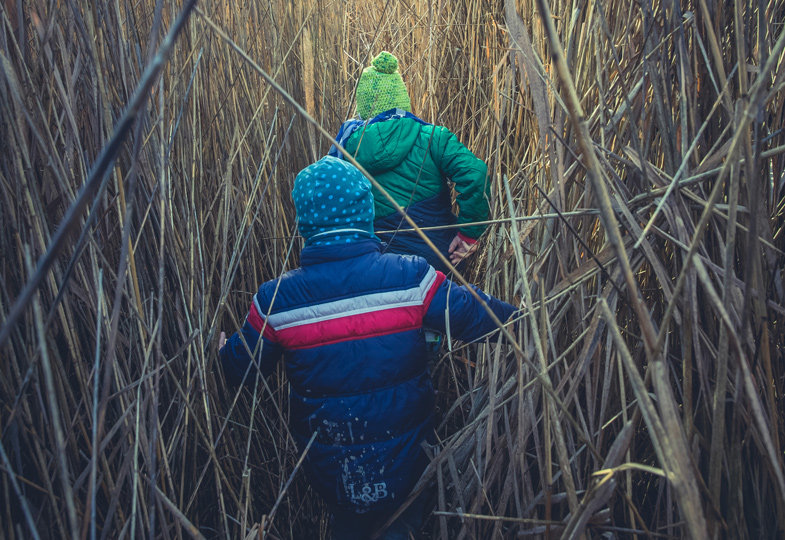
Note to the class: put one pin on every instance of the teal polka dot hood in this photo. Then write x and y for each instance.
(334, 203)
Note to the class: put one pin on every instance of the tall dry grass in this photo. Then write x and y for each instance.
(639, 147)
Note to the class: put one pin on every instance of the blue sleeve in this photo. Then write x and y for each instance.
(455, 305)
(236, 360)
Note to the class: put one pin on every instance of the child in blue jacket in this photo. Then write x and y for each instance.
(349, 324)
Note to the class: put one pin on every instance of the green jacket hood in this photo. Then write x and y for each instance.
(383, 145)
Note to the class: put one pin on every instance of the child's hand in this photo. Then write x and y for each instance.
(221, 340)
(460, 248)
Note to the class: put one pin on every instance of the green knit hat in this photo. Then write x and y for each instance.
(381, 88)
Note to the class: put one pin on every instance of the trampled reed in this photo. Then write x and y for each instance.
(637, 163)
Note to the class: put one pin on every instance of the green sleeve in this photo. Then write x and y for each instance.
(470, 175)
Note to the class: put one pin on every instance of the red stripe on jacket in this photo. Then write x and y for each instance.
(360, 326)
(258, 323)
(432, 291)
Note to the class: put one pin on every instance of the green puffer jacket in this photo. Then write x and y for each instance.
(414, 161)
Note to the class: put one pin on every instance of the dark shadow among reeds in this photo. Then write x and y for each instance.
(637, 159)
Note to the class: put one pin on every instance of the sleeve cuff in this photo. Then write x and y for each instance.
(467, 239)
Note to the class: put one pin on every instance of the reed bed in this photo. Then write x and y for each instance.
(636, 152)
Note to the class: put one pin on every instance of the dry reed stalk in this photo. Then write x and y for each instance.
(683, 112)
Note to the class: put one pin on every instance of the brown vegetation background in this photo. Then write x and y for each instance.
(639, 144)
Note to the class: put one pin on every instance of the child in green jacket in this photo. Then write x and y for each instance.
(414, 160)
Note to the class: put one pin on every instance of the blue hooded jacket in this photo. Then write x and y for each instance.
(349, 325)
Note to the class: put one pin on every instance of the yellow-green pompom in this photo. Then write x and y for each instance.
(385, 62)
